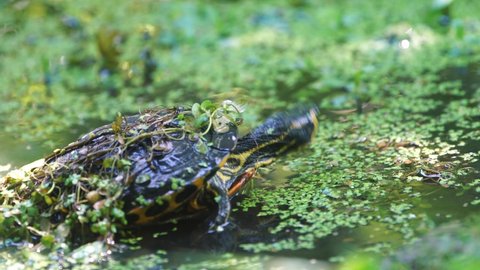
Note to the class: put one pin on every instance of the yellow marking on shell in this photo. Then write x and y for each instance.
(170, 198)
(195, 205)
(143, 218)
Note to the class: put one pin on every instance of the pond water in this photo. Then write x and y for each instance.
(395, 159)
(188, 245)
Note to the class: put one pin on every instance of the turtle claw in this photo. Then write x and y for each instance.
(221, 220)
(217, 228)
(220, 228)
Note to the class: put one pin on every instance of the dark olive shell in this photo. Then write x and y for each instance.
(178, 171)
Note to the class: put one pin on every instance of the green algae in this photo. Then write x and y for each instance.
(367, 168)
(341, 185)
(371, 168)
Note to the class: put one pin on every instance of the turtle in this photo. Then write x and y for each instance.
(159, 171)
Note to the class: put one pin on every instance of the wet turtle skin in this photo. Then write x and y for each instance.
(176, 176)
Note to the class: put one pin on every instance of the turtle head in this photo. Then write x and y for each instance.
(278, 134)
(294, 128)
(286, 130)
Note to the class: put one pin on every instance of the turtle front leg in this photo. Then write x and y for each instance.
(223, 202)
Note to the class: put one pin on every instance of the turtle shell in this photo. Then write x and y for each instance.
(168, 179)
(166, 169)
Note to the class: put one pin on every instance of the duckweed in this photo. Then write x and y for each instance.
(357, 172)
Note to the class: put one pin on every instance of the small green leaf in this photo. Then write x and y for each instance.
(117, 213)
(208, 105)
(201, 147)
(124, 163)
(142, 201)
(196, 110)
(181, 116)
(72, 179)
(48, 240)
(143, 178)
(108, 163)
(177, 183)
(201, 120)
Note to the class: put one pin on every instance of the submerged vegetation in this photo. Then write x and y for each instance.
(396, 153)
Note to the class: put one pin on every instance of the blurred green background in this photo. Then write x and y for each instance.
(383, 72)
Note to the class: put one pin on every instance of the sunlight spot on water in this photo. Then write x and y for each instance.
(404, 44)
